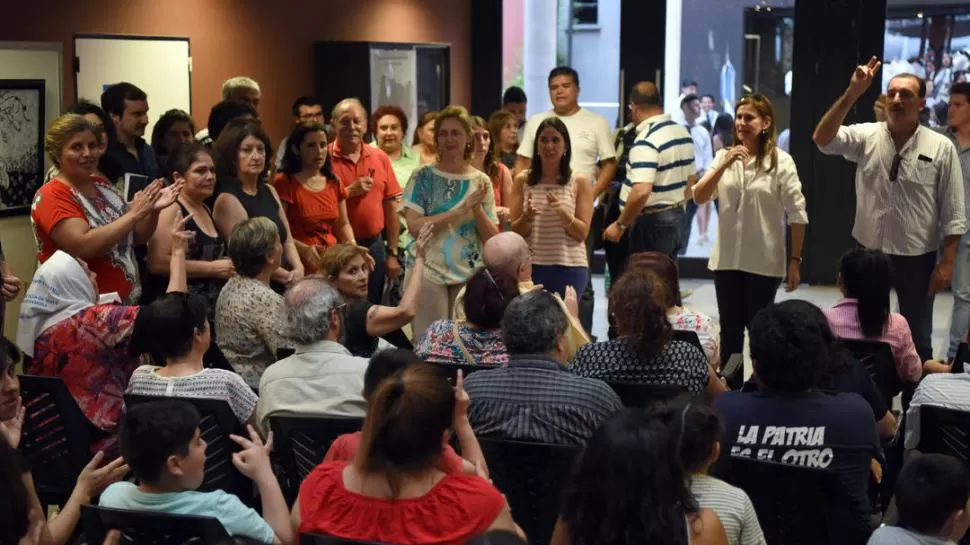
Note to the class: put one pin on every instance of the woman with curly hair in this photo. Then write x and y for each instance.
(645, 351)
(629, 487)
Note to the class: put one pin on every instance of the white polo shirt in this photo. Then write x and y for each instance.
(662, 155)
(589, 137)
(924, 204)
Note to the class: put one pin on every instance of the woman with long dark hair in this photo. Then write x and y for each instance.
(630, 488)
(173, 129)
(758, 188)
(424, 143)
(393, 492)
(552, 207)
(865, 279)
(483, 158)
(314, 200)
(645, 351)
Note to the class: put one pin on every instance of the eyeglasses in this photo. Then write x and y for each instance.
(894, 169)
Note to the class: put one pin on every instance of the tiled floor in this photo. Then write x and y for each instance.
(703, 300)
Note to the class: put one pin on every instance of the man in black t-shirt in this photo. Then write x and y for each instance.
(788, 422)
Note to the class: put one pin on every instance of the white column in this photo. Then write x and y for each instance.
(671, 74)
(539, 51)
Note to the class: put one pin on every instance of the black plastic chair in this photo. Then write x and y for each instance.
(961, 359)
(877, 357)
(644, 395)
(944, 431)
(532, 477)
(320, 539)
(451, 369)
(150, 527)
(303, 442)
(688, 337)
(216, 424)
(795, 505)
(57, 437)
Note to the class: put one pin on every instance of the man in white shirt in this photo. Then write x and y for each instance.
(703, 156)
(708, 112)
(589, 140)
(660, 175)
(959, 133)
(321, 378)
(909, 192)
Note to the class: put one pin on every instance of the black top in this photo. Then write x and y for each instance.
(853, 378)
(679, 364)
(263, 203)
(203, 248)
(117, 162)
(356, 338)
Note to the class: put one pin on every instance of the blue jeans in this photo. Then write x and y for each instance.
(555, 278)
(657, 232)
(960, 320)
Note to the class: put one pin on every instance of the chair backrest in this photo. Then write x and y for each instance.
(532, 477)
(877, 358)
(795, 505)
(944, 431)
(688, 337)
(216, 424)
(302, 443)
(451, 369)
(57, 437)
(961, 359)
(151, 527)
(320, 539)
(644, 395)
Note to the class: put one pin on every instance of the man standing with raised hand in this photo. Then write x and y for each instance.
(909, 191)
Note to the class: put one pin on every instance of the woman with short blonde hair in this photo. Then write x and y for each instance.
(459, 201)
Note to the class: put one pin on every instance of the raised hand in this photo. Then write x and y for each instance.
(144, 200)
(253, 460)
(557, 206)
(462, 401)
(360, 186)
(11, 429)
(477, 197)
(11, 287)
(181, 238)
(529, 212)
(94, 479)
(863, 75)
(168, 195)
(738, 153)
(424, 238)
(571, 301)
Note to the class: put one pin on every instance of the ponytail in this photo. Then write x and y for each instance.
(867, 277)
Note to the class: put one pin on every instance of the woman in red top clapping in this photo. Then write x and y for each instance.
(313, 198)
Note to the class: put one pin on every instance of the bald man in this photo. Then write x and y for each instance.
(372, 190)
(659, 177)
(508, 254)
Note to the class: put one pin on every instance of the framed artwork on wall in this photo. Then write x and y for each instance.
(21, 143)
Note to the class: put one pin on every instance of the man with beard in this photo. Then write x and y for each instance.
(909, 191)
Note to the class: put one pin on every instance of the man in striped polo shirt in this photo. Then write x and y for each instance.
(659, 177)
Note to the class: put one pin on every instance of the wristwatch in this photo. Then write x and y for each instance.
(391, 252)
(621, 225)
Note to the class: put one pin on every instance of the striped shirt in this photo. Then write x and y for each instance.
(732, 506)
(964, 155)
(535, 399)
(662, 155)
(549, 242)
(206, 384)
(946, 390)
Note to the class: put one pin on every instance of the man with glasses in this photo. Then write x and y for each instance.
(909, 191)
(306, 109)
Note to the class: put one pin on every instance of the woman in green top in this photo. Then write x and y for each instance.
(458, 200)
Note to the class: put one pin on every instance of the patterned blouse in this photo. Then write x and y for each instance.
(438, 345)
(679, 364)
(206, 384)
(89, 351)
(707, 329)
(248, 320)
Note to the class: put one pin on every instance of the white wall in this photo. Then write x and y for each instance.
(28, 60)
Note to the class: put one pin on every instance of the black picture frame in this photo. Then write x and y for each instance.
(22, 125)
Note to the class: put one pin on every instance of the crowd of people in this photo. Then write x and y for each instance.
(344, 277)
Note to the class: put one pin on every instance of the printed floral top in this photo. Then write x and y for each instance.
(248, 320)
(89, 351)
(707, 329)
(485, 346)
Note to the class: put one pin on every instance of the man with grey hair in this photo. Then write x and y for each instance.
(508, 253)
(321, 378)
(535, 398)
(241, 90)
(372, 190)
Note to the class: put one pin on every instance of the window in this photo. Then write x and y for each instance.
(585, 12)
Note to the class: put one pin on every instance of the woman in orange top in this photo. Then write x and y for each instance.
(313, 198)
(394, 491)
(483, 158)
